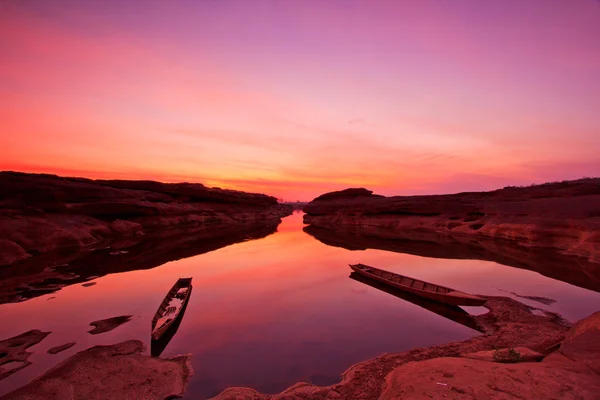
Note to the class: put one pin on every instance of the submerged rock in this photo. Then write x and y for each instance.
(110, 372)
(13, 351)
(107, 325)
(62, 347)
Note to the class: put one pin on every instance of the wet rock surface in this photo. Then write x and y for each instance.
(13, 351)
(108, 324)
(110, 372)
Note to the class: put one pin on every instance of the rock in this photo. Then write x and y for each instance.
(107, 325)
(62, 347)
(507, 355)
(582, 342)
(88, 284)
(508, 324)
(126, 227)
(10, 253)
(346, 194)
(460, 378)
(15, 350)
(41, 213)
(110, 372)
(561, 217)
(448, 371)
(47, 221)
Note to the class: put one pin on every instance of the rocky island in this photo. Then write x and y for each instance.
(56, 231)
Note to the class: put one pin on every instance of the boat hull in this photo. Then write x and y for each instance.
(460, 299)
(163, 330)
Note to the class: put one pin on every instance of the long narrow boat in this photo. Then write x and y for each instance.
(428, 290)
(170, 310)
(453, 313)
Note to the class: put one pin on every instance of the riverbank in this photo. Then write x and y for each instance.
(59, 231)
(514, 225)
(474, 368)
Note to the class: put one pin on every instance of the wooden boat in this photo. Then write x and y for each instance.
(428, 290)
(453, 313)
(171, 308)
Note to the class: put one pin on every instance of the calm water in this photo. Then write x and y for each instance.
(271, 312)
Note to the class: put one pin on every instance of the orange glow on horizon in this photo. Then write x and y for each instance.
(295, 101)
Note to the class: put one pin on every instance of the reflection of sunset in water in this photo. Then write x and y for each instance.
(271, 312)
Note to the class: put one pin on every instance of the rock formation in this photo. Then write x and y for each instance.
(552, 228)
(110, 372)
(58, 231)
(13, 351)
(502, 364)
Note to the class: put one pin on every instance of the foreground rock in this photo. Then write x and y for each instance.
(60, 231)
(14, 352)
(451, 372)
(514, 226)
(474, 369)
(110, 372)
(108, 324)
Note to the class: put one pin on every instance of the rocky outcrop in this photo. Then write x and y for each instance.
(110, 372)
(59, 231)
(509, 368)
(43, 213)
(502, 363)
(562, 217)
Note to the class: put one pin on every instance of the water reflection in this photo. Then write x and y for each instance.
(572, 269)
(453, 313)
(268, 313)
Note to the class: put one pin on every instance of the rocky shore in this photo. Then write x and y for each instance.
(56, 231)
(520, 354)
(519, 226)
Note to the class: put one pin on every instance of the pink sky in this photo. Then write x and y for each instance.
(297, 98)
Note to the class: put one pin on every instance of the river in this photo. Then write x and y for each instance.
(271, 312)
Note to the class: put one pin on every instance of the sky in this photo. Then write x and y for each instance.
(298, 98)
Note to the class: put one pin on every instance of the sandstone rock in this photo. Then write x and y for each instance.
(507, 355)
(444, 372)
(10, 253)
(563, 217)
(459, 378)
(110, 372)
(43, 213)
(582, 342)
(126, 227)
